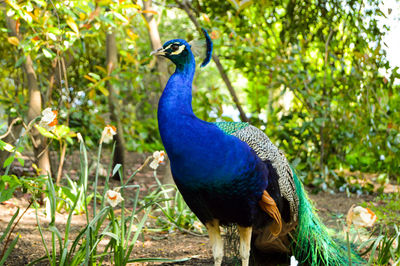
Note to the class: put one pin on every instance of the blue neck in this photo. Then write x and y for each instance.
(177, 96)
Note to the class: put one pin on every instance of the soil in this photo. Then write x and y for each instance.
(332, 208)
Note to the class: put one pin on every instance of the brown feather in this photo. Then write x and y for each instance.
(268, 205)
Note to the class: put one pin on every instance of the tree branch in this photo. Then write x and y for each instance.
(186, 6)
(10, 127)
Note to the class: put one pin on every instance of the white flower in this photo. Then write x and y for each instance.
(158, 157)
(293, 261)
(362, 217)
(79, 137)
(108, 133)
(49, 119)
(113, 197)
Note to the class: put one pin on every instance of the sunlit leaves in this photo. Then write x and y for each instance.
(48, 53)
(239, 5)
(13, 40)
(131, 34)
(71, 23)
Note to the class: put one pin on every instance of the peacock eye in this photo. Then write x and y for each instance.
(174, 47)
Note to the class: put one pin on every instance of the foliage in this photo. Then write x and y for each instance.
(9, 183)
(384, 249)
(69, 37)
(69, 194)
(176, 214)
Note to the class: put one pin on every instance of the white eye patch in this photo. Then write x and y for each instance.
(180, 49)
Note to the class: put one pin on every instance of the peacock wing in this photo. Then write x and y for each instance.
(266, 150)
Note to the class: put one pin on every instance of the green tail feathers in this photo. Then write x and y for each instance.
(313, 245)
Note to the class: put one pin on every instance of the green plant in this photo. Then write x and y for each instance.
(10, 183)
(5, 252)
(176, 213)
(84, 247)
(119, 229)
(63, 135)
(69, 194)
(383, 246)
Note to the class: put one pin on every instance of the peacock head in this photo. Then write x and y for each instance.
(180, 52)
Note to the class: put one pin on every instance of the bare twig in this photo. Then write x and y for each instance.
(63, 149)
(27, 129)
(10, 127)
(145, 163)
(45, 149)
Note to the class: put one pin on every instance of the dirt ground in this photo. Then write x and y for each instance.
(173, 245)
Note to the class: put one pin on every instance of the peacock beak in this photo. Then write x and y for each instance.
(159, 51)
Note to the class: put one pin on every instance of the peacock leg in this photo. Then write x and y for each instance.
(245, 239)
(216, 242)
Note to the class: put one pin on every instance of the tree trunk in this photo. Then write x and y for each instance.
(35, 106)
(162, 69)
(154, 35)
(111, 64)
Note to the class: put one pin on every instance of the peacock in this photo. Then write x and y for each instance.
(230, 173)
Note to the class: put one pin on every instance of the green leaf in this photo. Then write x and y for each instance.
(69, 140)
(103, 90)
(48, 53)
(112, 235)
(116, 168)
(2, 145)
(121, 17)
(21, 161)
(19, 61)
(45, 132)
(9, 249)
(71, 23)
(94, 75)
(10, 223)
(54, 30)
(8, 161)
(6, 194)
(62, 131)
